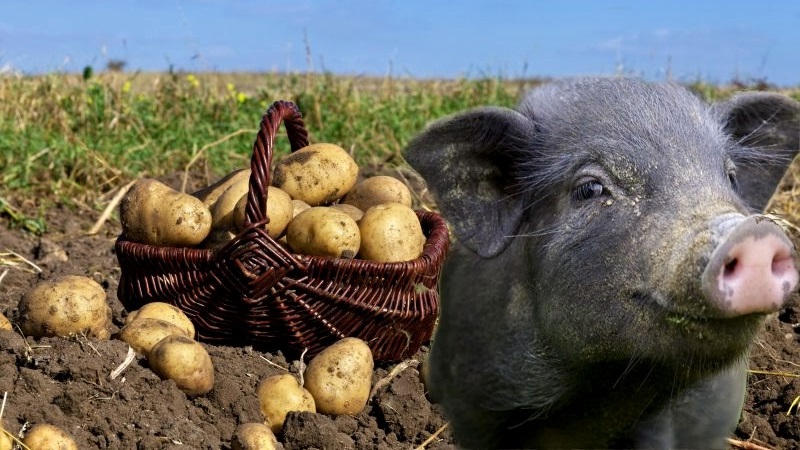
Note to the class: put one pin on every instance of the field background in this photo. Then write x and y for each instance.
(69, 144)
(76, 140)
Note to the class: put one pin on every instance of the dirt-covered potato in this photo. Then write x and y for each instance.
(317, 174)
(65, 306)
(299, 206)
(390, 233)
(324, 231)
(184, 361)
(223, 212)
(352, 211)
(279, 211)
(378, 190)
(280, 394)
(339, 377)
(254, 436)
(163, 311)
(144, 333)
(153, 213)
(44, 436)
(211, 193)
(5, 324)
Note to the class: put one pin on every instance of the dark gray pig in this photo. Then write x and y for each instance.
(609, 272)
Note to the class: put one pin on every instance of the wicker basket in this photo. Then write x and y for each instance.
(254, 291)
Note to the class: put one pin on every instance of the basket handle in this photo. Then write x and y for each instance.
(261, 161)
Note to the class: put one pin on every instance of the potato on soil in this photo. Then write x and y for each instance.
(142, 334)
(223, 212)
(163, 311)
(391, 233)
(324, 231)
(317, 174)
(279, 211)
(44, 436)
(153, 213)
(339, 377)
(378, 190)
(65, 306)
(6, 443)
(211, 193)
(254, 436)
(184, 361)
(5, 324)
(280, 394)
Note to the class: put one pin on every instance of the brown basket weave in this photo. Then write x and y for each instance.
(253, 291)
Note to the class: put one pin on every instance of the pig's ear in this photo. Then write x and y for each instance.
(467, 160)
(769, 123)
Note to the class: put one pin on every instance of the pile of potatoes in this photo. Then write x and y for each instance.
(316, 205)
(336, 381)
(165, 336)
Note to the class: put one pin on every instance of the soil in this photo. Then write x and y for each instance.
(66, 381)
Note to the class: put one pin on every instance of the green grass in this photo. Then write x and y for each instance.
(74, 141)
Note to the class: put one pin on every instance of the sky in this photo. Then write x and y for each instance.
(703, 40)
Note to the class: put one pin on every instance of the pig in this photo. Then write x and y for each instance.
(611, 263)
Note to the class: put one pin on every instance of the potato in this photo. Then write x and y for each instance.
(184, 361)
(6, 443)
(254, 436)
(280, 394)
(378, 190)
(153, 213)
(390, 233)
(44, 436)
(217, 239)
(65, 306)
(222, 213)
(211, 193)
(144, 333)
(279, 211)
(5, 324)
(352, 211)
(163, 311)
(339, 377)
(324, 231)
(317, 174)
(299, 206)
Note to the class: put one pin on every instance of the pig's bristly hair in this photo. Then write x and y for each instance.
(570, 119)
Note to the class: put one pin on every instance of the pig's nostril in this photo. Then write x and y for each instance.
(782, 264)
(730, 267)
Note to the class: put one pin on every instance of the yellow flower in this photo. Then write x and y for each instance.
(231, 88)
(241, 97)
(126, 87)
(193, 81)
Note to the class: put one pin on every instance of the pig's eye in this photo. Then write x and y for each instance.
(588, 189)
(732, 179)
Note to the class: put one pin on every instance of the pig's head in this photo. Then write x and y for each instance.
(609, 220)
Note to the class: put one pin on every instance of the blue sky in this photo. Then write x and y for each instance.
(708, 40)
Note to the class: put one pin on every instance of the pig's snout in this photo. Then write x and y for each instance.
(752, 269)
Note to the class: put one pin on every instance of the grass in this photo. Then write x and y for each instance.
(74, 141)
